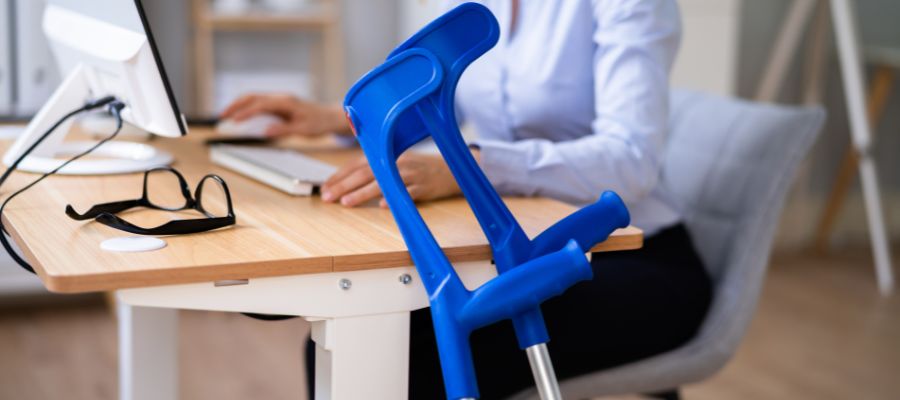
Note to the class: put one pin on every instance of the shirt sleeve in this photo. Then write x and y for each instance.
(635, 45)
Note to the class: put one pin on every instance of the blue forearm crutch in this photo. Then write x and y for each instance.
(410, 97)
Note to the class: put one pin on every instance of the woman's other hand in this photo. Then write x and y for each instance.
(300, 117)
(426, 176)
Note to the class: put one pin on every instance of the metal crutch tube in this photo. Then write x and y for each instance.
(542, 369)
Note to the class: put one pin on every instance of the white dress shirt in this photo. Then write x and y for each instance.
(575, 102)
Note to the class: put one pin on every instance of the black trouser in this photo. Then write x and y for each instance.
(639, 304)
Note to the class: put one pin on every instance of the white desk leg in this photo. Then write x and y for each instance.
(148, 353)
(363, 357)
(844, 17)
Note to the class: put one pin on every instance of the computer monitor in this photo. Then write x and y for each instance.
(103, 48)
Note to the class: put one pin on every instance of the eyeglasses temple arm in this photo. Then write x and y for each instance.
(112, 208)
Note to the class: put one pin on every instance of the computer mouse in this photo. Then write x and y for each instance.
(254, 126)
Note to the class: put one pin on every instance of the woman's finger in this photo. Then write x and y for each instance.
(357, 179)
(254, 108)
(367, 192)
(279, 129)
(416, 191)
(345, 171)
(282, 106)
(410, 175)
(238, 104)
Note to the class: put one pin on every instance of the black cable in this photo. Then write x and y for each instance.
(115, 108)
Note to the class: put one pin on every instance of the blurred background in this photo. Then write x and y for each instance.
(216, 50)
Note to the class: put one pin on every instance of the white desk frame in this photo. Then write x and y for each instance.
(359, 331)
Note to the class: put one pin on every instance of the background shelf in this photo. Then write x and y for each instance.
(320, 20)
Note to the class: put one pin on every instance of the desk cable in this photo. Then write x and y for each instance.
(113, 105)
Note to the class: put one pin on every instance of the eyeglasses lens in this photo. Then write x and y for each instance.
(164, 190)
(213, 201)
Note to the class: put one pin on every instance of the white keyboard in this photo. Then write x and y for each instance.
(283, 169)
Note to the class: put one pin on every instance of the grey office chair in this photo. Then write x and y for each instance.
(730, 164)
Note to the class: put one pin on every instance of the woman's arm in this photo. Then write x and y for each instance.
(636, 42)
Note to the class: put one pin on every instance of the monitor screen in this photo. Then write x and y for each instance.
(128, 14)
(122, 13)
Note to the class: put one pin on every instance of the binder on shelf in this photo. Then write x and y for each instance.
(36, 72)
(6, 56)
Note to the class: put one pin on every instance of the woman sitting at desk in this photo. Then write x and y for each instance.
(572, 101)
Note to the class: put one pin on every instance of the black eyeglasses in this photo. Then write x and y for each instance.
(216, 205)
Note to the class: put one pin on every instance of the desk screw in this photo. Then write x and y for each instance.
(405, 279)
(345, 284)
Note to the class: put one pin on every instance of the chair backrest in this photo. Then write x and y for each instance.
(730, 164)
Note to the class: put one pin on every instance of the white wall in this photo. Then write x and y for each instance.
(708, 56)
(414, 14)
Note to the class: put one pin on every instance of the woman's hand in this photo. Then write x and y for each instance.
(300, 117)
(426, 176)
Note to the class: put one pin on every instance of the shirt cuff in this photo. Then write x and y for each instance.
(346, 141)
(505, 166)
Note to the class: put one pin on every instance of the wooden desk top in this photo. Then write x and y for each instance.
(276, 234)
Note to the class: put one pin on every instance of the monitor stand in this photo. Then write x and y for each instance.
(114, 157)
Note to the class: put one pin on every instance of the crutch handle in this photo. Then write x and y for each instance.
(525, 287)
(588, 226)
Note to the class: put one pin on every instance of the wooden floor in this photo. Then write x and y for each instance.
(822, 333)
